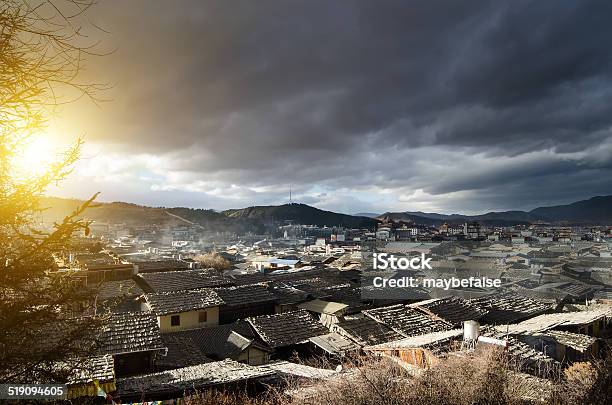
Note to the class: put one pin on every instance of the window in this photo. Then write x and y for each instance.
(175, 320)
(202, 316)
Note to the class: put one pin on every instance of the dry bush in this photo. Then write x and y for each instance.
(586, 383)
(373, 381)
(214, 261)
(476, 379)
(480, 379)
(483, 377)
(214, 397)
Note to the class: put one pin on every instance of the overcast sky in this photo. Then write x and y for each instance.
(360, 106)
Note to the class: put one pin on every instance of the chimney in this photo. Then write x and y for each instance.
(471, 332)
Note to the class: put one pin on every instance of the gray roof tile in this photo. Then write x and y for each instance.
(406, 320)
(169, 281)
(182, 301)
(130, 332)
(287, 328)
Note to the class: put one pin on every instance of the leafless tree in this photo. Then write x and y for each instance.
(44, 333)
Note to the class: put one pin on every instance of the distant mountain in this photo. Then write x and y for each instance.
(301, 214)
(251, 219)
(596, 210)
(120, 212)
(366, 214)
(431, 215)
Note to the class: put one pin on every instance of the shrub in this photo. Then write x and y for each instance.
(213, 260)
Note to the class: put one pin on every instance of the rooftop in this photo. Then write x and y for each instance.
(323, 307)
(218, 342)
(147, 266)
(131, 332)
(169, 281)
(177, 381)
(245, 294)
(298, 370)
(287, 328)
(406, 320)
(519, 350)
(576, 341)
(99, 368)
(419, 340)
(117, 289)
(452, 309)
(366, 331)
(510, 307)
(551, 321)
(182, 352)
(334, 344)
(182, 301)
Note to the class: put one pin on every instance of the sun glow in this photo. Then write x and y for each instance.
(35, 158)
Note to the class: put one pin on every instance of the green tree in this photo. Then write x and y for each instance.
(44, 330)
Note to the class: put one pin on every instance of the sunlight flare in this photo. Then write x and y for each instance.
(34, 159)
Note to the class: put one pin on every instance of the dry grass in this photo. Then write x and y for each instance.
(486, 377)
(586, 383)
(213, 397)
(482, 379)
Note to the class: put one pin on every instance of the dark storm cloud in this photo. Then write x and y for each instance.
(509, 95)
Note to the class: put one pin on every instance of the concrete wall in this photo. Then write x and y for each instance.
(190, 320)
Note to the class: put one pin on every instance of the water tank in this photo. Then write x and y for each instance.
(471, 330)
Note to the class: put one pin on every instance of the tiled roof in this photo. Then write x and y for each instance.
(250, 278)
(510, 307)
(551, 321)
(146, 266)
(312, 286)
(365, 331)
(521, 352)
(575, 289)
(177, 381)
(218, 342)
(131, 332)
(574, 340)
(182, 301)
(407, 321)
(288, 295)
(287, 328)
(95, 258)
(428, 339)
(286, 368)
(605, 294)
(118, 289)
(369, 292)
(348, 295)
(168, 281)
(453, 310)
(99, 368)
(182, 352)
(245, 294)
(335, 344)
(323, 307)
